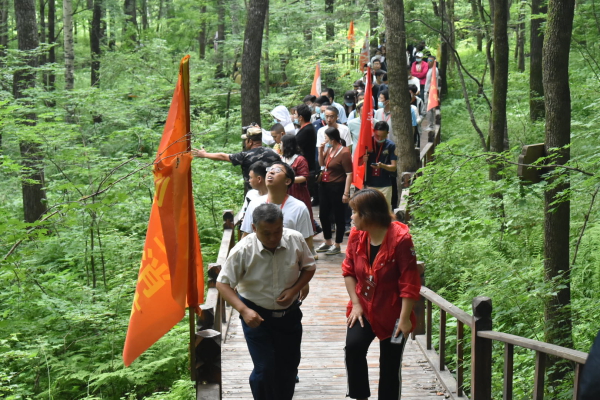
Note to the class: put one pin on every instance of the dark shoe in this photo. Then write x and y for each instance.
(324, 248)
(318, 228)
(297, 379)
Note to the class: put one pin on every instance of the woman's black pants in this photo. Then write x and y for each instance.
(358, 340)
(330, 194)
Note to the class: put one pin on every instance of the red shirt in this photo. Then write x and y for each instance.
(395, 274)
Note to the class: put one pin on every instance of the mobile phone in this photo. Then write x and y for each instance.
(373, 164)
(400, 339)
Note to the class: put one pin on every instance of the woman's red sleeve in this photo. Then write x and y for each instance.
(409, 283)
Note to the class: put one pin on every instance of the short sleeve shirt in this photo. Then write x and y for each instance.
(344, 134)
(295, 216)
(249, 157)
(340, 165)
(259, 275)
(386, 156)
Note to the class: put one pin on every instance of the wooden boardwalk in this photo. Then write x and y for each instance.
(322, 373)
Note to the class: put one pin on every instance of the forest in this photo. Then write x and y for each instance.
(85, 88)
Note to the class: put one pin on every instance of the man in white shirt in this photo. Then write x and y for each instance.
(331, 116)
(331, 96)
(269, 268)
(295, 213)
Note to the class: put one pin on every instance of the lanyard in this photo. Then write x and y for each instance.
(370, 267)
(284, 200)
(331, 157)
(380, 148)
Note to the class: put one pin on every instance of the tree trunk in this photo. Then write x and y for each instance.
(330, 25)
(536, 42)
(202, 34)
(144, 14)
(34, 195)
(475, 16)
(221, 39)
(68, 44)
(42, 37)
(402, 130)
(3, 30)
(500, 88)
(130, 28)
(253, 36)
(308, 30)
(555, 62)
(451, 30)
(96, 35)
(373, 25)
(266, 56)
(51, 77)
(445, 54)
(521, 38)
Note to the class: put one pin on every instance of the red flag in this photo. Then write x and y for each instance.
(315, 90)
(365, 138)
(351, 34)
(364, 54)
(433, 99)
(170, 276)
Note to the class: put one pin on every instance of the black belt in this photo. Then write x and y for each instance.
(271, 313)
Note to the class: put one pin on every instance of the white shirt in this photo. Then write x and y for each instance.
(259, 275)
(416, 82)
(341, 112)
(251, 195)
(344, 134)
(295, 216)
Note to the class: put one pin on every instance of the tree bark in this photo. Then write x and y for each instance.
(500, 88)
(253, 36)
(144, 14)
(51, 77)
(451, 30)
(68, 44)
(330, 25)
(202, 34)
(130, 28)
(477, 25)
(34, 195)
(536, 42)
(444, 46)
(3, 29)
(373, 24)
(96, 36)
(308, 30)
(221, 39)
(266, 53)
(402, 132)
(555, 63)
(521, 38)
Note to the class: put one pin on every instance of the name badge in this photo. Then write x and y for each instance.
(375, 171)
(325, 176)
(368, 289)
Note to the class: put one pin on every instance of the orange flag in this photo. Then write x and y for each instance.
(364, 54)
(351, 34)
(170, 276)
(315, 90)
(434, 99)
(365, 137)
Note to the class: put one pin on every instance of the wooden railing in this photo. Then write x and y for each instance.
(214, 322)
(482, 336)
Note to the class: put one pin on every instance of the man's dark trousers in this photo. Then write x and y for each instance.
(275, 350)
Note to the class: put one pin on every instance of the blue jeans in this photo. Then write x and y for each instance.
(275, 350)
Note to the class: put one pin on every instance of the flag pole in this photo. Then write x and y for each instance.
(192, 321)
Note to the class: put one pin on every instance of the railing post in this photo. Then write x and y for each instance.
(420, 305)
(481, 350)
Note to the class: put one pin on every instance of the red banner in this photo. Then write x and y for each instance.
(365, 137)
(170, 276)
(364, 54)
(315, 90)
(433, 100)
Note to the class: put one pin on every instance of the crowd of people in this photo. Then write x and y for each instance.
(303, 160)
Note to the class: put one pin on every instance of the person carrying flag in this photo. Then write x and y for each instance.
(430, 116)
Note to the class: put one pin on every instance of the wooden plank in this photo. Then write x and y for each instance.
(442, 365)
(460, 359)
(551, 349)
(540, 373)
(529, 155)
(508, 371)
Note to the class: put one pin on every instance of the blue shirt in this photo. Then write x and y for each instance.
(384, 153)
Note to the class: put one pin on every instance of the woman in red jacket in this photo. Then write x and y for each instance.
(380, 271)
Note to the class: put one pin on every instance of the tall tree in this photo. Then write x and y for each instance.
(500, 87)
(34, 195)
(68, 44)
(536, 42)
(130, 28)
(50, 78)
(145, 14)
(96, 35)
(402, 133)
(220, 42)
(445, 54)
(202, 34)
(329, 25)
(3, 29)
(477, 23)
(555, 63)
(253, 36)
(373, 25)
(266, 54)
(521, 37)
